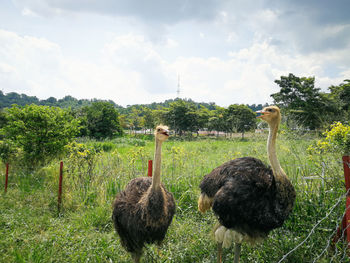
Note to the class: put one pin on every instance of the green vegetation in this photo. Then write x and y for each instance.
(336, 140)
(102, 120)
(32, 231)
(102, 160)
(35, 134)
(304, 104)
(240, 118)
(7, 100)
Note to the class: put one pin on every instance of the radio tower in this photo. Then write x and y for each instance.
(178, 86)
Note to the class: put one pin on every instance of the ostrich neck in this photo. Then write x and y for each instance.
(271, 151)
(157, 164)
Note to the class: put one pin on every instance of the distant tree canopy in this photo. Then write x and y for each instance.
(217, 120)
(39, 132)
(35, 131)
(240, 118)
(11, 98)
(181, 116)
(102, 120)
(149, 120)
(340, 96)
(302, 102)
(303, 106)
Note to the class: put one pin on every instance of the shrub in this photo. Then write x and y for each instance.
(6, 152)
(38, 132)
(337, 139)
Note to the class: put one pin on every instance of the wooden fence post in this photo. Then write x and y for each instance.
(346, 164)
(6, 176)
(59, 201)
(150, 167)
(344, 228)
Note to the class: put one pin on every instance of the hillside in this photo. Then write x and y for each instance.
(8, 99)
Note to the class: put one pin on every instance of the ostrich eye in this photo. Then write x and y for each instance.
(270, 110)
(158, 130)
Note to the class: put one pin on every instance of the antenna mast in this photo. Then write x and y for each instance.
(178, 86)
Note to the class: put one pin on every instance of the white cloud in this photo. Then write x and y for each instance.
(28, 12)
(151, 10)
(30, 60)
(171, 43)
(248, 76)
(131, 69)
(232, 37)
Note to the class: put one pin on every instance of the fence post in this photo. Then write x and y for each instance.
(150, 167)
(59, 201)
(344, 227)
(6, 176)
(346, 164)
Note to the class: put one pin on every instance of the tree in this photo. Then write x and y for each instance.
(240, 118)
(181, 116)
(102, 120)
(40, 132)
(148, 118)
(203, 115)
(49, 102)
(216, 121)
(340, 95)
(160, 115)
(3, 121)
(344, 95)
(301, 101)
(134, 119)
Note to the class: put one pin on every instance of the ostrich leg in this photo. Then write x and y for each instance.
(219, 237)
(237, 252)
(219, 252)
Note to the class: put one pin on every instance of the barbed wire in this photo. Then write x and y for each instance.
(344, 254)
(341, 237)
(314, 227)
(330, 238)
(328, 244)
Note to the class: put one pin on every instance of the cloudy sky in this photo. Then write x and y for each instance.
(132, 51)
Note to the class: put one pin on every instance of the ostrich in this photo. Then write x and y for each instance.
(143, 212)
(249, 198)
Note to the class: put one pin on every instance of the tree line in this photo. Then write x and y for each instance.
(8, 99)
(98, 120)
(38, 133)
(306, 107)
(187, 117)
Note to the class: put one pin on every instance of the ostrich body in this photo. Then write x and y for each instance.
(143, 212)
(249, 198)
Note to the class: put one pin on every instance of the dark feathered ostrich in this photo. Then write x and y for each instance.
(143, 212)
(249, 198)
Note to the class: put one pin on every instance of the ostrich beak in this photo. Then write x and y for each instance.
(263, 113)
(166, 132)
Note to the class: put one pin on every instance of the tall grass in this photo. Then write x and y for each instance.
(32, 231)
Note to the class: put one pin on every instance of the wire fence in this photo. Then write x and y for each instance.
(113, 173)
(329, 239)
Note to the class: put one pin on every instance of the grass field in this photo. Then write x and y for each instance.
(31, 230)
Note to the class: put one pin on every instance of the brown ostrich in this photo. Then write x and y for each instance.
(249, 198)
(143, 212)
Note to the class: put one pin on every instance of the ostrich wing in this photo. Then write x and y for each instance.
(246, 168)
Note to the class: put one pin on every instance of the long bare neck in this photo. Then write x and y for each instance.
(271, 151)
(157, 165)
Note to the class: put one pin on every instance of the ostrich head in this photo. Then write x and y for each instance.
(270, 114)
(161, 133)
